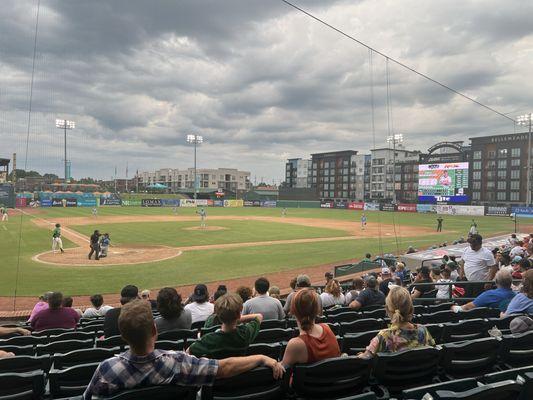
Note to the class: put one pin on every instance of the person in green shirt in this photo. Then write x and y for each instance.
(231, 339)
(368, 258)
(56, 239)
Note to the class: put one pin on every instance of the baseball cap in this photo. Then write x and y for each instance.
(521, 324)
(200, 293)
(129, 291)
(385, 271)
(303, 281)
(516, 260)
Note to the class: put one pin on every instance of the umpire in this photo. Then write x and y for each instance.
(95, 245)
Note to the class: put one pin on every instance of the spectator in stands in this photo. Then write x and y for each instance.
(262, 303)
(370, 296)
(11, 332)
(173, 316)
(328, 276)
(368, 258)
(200, 308)
(332, 295)
(55, 316)
(386, 278)
(400, 271)
(410, 250)
(145, 295)
(423, 276)
(127, 294)
(521, 324)
(357, 287)
(517, 250)
(495, 298)
(68, 301)
(221, 291)
(142, 365)
(316, 341)
(245, 292)
(523, 301)
(302, 281)
(513, 240)
(292, 283)
(443, 291)
(98, 309)
(42, 304)
(477, 264)
(231, 339)
(520, 268)
(402, 333)
(274, 292)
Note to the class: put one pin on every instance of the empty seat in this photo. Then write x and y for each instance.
(438, 317)
(23, 341)
(23, 364)
(274, 335)
(457, 385)
(334, 377)
(82, 356)
(77, 335)
(272, 350)
(362, 325)
(471, 358)
(112, 341)
(273, 323)
(253, 385)
(507, 374)
(377, 313)
(335, 328)
(28, 350)
(354, 343)
(71, 381)
(406, 369)
(177, 345)
(63, 346)
(178, 334)
(348, 316)
(167, 392)
(436, 331)
(197, 325)
(432, 308)
(465, 330)
(22, 386)
(516, 350)
(505, 390)
(339, 310)
(480, 312)
(52, 332)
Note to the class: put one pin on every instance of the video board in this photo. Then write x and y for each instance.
(445, 182)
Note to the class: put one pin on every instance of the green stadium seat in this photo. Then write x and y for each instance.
(22, 386)
(516, 350)
(71, 381)
(470, 358)
(82, 356)
(23, 364)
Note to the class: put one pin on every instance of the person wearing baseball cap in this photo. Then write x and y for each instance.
(127, 294)
(369, 296)
(302, 281)
(199, 306)
(386, 279)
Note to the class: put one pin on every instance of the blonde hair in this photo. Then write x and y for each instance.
(399, 305)
(333, 288)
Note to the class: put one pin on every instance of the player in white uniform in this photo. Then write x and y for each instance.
(94, 211)
(363, 221)
(5, 215)
(284, 212)
(203, 216)
(175, 210)
(56, 239)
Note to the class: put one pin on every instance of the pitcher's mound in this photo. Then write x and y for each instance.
(117, 255)
(207, 228)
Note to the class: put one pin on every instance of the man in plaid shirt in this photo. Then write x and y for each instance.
(142, 365)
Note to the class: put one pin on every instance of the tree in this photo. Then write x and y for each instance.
(24, 174)
(50, 178)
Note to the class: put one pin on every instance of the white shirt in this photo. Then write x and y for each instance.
(477, 263)
(200, 311)
(516, 251)
(329, 300)
(443, 291)
(92, 312)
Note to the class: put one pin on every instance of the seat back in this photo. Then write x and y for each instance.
(330, 378)
(480, 312)
(82, 356)
(377, 313)
(465, 330)
(177, 345)
(23, 341)
(336, 311)
(77, 335)
(28, 350)
(354, 343)
(470, 358)
(436, 331)
(178, 334)
(273, 323)
(205, 331)
(348, 316)
(22, 386)
(112, 341)
(197, 325)
(433, 308)
(362, 325)
(63, 346)
(167, 392)
(274, 335)
(71, 381)
(406, 369)
(506, 390)
(53, 332)
(502, 323)
(516, 350)
(272, 350)
(23, 364)
(438, 317)
(252, 385)
(459, 385)
(506, 375)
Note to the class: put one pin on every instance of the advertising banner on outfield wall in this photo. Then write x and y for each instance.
(426, 208)
(252, 203)
(170, 202)
(110, 201)
(523, 211)
(201, 203)
(404, 207)
(21, 202)
(326, 204)
(87, 202)
(151, 203)
(372, 206)
(341, 204)
(136, 202)
(501, 211)
(387, 207)
(218, 203)
(461, 210)
(356, 206)
(233, 203)
(46, 203)
(187, 203)
(269, 203)
(71, 202)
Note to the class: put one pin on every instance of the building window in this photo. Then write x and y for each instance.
(502, 185)
(490, 174)
(502, 153)
(515, 162)
(491, 164)
(515, 196)
(477, 165)
(476, 195)
(515, 152)
(476, 175)
(515, 174)
(477, 155)
(502, 164)
(491, 154)
(490, 184)
(501, 196)
(515, 185)
(502, 174)
(476, 185)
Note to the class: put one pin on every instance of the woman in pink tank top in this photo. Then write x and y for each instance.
(316, 341)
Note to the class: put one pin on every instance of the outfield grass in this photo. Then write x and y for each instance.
(192, 267)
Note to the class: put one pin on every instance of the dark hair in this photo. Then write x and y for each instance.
(219, 293)
(424, 271)
(476, 238)
(55, 300)
(525, 264)
(368, 255)
(222, 288)
(292, 284)
(304, 307)
(169, 303)
(245, 292)
(67, 301)
(97, 300)
(358, 284)
(262, 285)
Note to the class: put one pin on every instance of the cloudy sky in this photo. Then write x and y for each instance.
(259, 80)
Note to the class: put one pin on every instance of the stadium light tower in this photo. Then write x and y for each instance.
(396, 138)
(65, 124)
(195, 140)
(525, 120)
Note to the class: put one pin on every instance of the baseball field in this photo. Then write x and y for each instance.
(154, 247)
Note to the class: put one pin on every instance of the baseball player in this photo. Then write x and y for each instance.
(175, 210)
(284, 212)
(56, 239)
(363, 221)
(94, 212)
(3, 212)
(473, 228)
(439, 224)
(104, 245)
(203, 216)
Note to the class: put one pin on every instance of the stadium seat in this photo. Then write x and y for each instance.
(436, 331)
(257, 384)
(178, 334)
(348, 316)
(88, 321)
(71, 381)
(77, 335)
(354, 343)
(28, 350)
(23, 341)
(331, 378)
(23, 386)
(419, 309)
(438, 317)
(63, 346)
(470, 358)
(82, 356)
(112, 341)
(507, 374)
(274, 335)
(502, 323)
(197, 325)
(339, 310)
(23, 364)
(272, 350)
(433, 308)
(205, 331)
(52, 332)
(175, 345)
(406, 369)
(465, 330)
(93, 328)
(480, 312)
(527, 380)
(505, 390)
(335, 328)
(456, 385)
(273, 323)
(362, 325)
(377, 313)
(167, 392)
(516, 350)
(362, 396)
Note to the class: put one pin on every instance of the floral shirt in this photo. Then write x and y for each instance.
(394, 339)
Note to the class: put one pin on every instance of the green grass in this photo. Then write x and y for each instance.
(211, 265)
